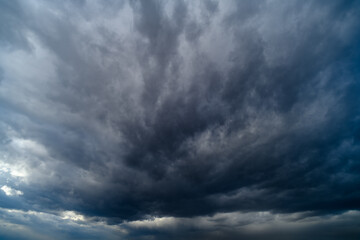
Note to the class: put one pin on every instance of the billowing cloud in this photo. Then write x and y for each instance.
(120, 112)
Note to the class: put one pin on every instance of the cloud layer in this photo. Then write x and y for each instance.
(123, 111)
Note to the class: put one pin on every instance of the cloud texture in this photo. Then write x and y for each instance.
(125, 111)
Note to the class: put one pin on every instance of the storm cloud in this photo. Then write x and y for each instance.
(195, 119)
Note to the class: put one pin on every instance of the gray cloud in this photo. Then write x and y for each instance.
(125, 110)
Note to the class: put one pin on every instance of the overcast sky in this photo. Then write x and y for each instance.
(179, 119)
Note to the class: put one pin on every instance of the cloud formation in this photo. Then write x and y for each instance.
(123, 111)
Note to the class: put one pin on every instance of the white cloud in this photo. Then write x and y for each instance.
(71, 215)
(18, 224)
(29, 145)
(10, 191)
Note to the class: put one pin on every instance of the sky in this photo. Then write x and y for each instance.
(172, 119)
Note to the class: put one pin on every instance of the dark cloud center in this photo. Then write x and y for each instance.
(195, 108)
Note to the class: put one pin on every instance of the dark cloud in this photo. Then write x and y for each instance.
(125, 110)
